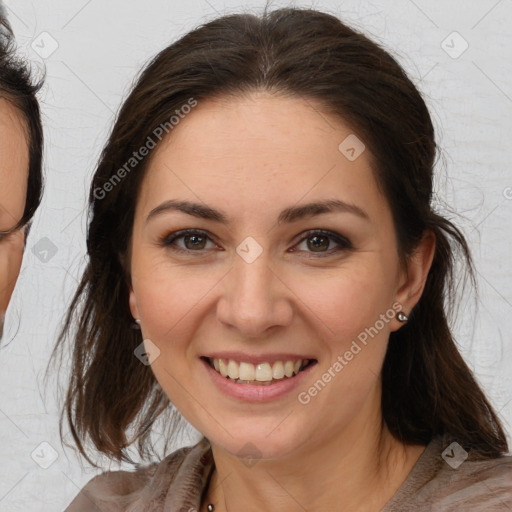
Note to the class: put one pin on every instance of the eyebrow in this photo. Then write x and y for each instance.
(288, 215)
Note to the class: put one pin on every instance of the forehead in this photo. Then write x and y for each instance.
(259, 151)
(14, 162)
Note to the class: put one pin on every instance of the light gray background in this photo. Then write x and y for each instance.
(101, 45)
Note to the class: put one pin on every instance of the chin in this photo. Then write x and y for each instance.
(253, 444)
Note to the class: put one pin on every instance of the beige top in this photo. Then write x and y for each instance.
(435, 483)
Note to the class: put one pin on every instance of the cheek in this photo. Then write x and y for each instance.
(170, 299)
(11, 256)
(163, 302)
(347, 306)
(167, 301)
(346, 300)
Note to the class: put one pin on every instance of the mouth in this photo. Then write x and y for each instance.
(260, 374)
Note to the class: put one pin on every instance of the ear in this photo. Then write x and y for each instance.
(133, 304)
(123, 260)
(412, 279)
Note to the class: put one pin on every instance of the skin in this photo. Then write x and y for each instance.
(13, 190)
(251, 157)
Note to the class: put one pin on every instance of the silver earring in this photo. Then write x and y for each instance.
(136, 325)
(402, 317)
(137, 320)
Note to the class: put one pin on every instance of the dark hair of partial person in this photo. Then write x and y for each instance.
(427, 388)
(18, 87)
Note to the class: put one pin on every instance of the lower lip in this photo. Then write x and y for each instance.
(256, 393)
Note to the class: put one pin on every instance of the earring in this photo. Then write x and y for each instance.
(136, 325)
(402, 317)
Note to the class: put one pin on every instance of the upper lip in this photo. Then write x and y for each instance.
(257, 358)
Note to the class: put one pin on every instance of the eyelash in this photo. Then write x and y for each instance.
(344, 243)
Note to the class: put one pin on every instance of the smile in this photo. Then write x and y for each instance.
(263, 373)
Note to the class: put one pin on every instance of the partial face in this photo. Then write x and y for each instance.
(13, 190)
(252, 284)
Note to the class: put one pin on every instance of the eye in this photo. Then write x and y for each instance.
(318, 241)
(194, 240)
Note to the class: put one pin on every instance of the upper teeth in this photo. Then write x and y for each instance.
(260, 372)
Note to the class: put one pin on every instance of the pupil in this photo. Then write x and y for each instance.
(316, 242)
(195, 238)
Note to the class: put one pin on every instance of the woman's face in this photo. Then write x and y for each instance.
(261, 284)
(13, 190)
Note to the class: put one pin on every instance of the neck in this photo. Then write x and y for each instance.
(359, 469)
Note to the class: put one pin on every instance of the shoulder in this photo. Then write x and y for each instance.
(477, 485)
(447, 478)
(117, 491)
(453, 480)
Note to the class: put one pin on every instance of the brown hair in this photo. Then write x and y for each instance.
(427, 387)
(17, 87)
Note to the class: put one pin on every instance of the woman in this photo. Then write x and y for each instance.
(262, 211)
(21, 147)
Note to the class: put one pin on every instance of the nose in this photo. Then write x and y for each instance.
(255, 298)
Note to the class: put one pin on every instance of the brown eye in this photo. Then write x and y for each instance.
(193, 241)
(319, 241)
